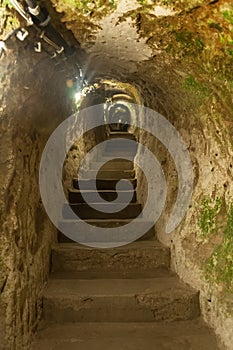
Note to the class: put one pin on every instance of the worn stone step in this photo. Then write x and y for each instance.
(119, 300)
(68, 224)
(121, 147)
(134, 274)
(108, 174)
(102, 184)
(181, 335)
(137, 256)
(123, 135)
(117, 152)
(84, 211)
(75, 196)
(121, 143)
(113, 165)
(105, 157)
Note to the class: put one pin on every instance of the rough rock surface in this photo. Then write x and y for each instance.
(33, 104)
(187, 77)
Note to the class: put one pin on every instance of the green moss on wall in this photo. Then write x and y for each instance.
(188, 41)
(207, 220)
(228, 15)
(192, 84)
(219, 267)
(195, 92)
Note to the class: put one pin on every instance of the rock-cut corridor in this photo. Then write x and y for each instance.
(116, 169)
(125, 297)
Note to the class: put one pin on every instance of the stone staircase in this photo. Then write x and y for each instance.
(123, 298)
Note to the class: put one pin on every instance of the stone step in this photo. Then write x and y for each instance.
(116, 164)
(84, 211)
(75, 196)
(180, 335)
(134, 274)
(105, 157)
(112, 152)
(102, 184)
(137, 256)
(67, 225)
(121, 146)
(108, 174)
(119, 300)
(121, 141)
(123, 135)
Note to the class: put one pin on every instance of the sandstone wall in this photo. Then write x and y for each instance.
(202, 244)
(33, 103)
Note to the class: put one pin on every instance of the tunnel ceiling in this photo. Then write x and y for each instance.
(180, 44)
(193, 39)
(139, 30)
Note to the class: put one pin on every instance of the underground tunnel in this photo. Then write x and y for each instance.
(105, 104)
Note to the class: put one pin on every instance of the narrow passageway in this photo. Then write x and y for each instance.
(124, 297)
(116, 175)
